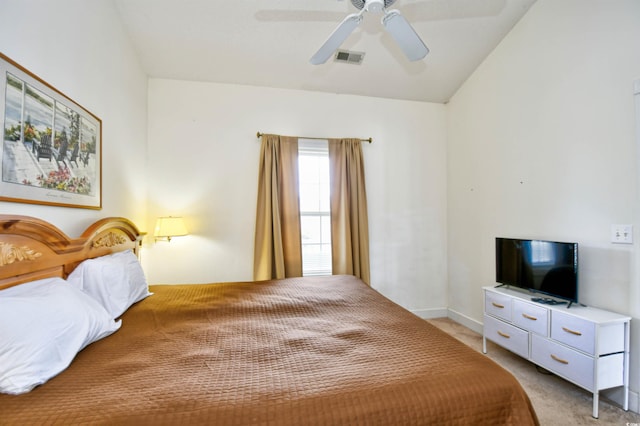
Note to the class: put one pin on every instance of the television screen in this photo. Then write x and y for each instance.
(547, 267)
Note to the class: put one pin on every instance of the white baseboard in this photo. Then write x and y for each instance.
(431, 313)
(634, 401)
(449, 313)
(465, 320)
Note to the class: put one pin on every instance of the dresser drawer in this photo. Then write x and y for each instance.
(577, 332)
(512, 338)
(498, 305)
(531, 317)
(566, 362)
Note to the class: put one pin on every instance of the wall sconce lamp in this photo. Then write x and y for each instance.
(168, 227)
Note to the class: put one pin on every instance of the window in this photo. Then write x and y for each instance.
(542, 252)
(315, 218)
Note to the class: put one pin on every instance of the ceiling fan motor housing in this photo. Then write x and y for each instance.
(372, 5)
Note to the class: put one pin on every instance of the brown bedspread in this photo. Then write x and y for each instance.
(311, 351)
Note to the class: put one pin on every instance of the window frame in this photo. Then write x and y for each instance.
(320, 148)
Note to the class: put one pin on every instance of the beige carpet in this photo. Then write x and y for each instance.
(556, 401)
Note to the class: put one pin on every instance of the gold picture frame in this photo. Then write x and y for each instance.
(51, 147)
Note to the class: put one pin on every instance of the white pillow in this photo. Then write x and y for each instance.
(116, 281)
(43, 325)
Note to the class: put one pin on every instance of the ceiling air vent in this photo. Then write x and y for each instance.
(349, 57)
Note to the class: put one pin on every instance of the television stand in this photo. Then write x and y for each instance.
(586, 346)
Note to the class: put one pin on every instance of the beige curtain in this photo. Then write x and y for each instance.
(278, 252)
(349, 220)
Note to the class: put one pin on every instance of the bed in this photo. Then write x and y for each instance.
(299, 351)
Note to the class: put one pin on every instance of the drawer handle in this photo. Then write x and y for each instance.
(497, 305)
(504, 335)
(568, 330)
(530, 317)
(560, 360)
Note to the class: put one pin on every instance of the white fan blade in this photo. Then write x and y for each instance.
(404, 34)
(337, 37)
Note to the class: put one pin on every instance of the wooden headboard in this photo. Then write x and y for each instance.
(32, 248)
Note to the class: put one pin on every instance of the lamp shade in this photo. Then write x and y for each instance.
(167, 227)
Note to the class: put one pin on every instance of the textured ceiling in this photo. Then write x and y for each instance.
(269, 43)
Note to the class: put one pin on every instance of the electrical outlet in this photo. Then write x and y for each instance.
(622, 234)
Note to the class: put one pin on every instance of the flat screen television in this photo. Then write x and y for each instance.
(547, 267)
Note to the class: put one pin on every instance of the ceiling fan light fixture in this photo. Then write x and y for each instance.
(395, 24)
(404, 35)
(374, 6)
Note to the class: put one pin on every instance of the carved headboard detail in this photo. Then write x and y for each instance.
(31, 248)
(109, 240)
(10, 253)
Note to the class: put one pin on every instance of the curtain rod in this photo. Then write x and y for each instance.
(370, 140)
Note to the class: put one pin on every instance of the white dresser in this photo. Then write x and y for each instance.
(586, 346)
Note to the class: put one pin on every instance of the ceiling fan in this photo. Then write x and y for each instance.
(395, 24)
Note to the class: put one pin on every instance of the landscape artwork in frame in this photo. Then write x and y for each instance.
(51, 147)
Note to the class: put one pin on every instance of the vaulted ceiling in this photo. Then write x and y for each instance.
(269, 43)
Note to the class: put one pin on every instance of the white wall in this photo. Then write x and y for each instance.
(541, 144)
(81, 49)
(203, 164)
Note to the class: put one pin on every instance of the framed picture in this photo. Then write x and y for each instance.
(51, 147)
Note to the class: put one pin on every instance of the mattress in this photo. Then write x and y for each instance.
(299, 351)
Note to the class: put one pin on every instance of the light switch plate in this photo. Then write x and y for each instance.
(622, 234)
